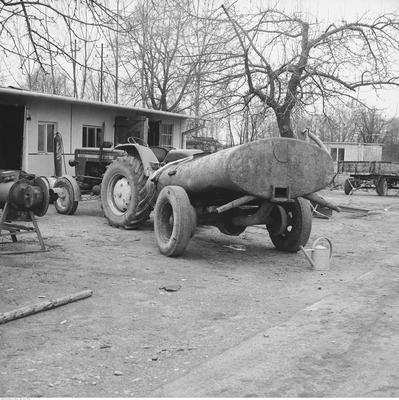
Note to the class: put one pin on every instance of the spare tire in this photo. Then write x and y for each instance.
(126, 193)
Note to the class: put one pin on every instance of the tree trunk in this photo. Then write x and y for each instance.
(284, 123)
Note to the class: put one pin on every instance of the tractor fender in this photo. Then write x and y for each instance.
(145, 154)
(75, 187)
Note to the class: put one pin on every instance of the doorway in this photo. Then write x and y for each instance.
(11, 136)
(153, 133)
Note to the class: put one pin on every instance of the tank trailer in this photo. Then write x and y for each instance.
(267, 182)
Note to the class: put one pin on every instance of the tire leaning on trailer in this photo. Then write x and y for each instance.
(126, 194)
(174, 221)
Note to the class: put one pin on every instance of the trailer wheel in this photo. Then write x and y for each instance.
(225, 226)
(66, 202)
(174, 221)
(126, 194)
(290, 225)
(348, 185)
(381, 186)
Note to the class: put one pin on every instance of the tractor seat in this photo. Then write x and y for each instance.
(160, 152)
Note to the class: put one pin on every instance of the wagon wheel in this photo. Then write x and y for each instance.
(381, 186)
(290, 225)
(174, 220)
(349, 185)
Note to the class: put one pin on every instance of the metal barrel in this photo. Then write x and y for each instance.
(269, 168)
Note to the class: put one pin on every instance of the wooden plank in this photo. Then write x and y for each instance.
(43, 306)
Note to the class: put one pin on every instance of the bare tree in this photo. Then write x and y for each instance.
(289, 62)
(168, 54)
(370, 126)
(45, 34)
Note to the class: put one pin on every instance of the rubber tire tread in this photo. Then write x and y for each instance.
(142, 193)
(72, 206)
(347, 186)
(174, 243)
(291, 241)
(381, 186)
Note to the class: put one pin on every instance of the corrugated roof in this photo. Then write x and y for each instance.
(20, 96)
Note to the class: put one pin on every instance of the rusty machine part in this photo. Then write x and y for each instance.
(262, 182)
(22, 197)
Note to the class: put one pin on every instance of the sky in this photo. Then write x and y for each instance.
(336, 10)
(386, 100)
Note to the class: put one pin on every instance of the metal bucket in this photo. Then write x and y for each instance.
(319, 256)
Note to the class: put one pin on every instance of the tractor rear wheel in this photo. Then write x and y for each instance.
(174, 221)
(290, 225)
(126, 193)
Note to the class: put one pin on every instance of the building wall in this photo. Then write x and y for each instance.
(358, 151)
(69, 119)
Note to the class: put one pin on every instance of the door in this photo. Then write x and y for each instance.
(153, 133)
(11, 136)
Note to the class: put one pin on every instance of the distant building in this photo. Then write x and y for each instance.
(29, 120)
(207, 144)
(348, 151)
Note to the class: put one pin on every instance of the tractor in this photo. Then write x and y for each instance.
(135, 159)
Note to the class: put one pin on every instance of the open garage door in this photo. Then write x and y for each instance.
(11, 136)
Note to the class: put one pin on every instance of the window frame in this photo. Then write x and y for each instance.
(48, 145)
(166, 132)
(337, 153)
(86, 140)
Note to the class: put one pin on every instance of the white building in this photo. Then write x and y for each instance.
(346, 151)
(28, 121)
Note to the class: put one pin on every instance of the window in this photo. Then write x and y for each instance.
(45, 137)
(91, 136)
(337, 154)
(165, 137)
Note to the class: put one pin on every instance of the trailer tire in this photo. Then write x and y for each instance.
(291, 230)
(225, 225)
(174, 221)
(66, 204)
(348, 186)
(126, 193)
(381, 186)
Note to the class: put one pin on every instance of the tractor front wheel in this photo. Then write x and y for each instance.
(290, 225)
(126, 193)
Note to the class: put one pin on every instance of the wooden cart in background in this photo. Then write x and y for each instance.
(381, 175)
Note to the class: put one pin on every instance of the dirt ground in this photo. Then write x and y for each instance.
(134, 339)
